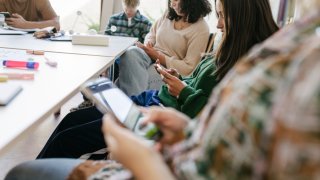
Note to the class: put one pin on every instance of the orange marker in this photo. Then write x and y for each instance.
(35, 52)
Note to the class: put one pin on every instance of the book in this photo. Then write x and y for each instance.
(20, 29)
(11, 32)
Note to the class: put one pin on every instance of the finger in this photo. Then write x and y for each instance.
(165, 74)
(165, 80)
(112, 143)
(156, 114)
(149, 45)
(16, 15)
(110, 127)
(158, 147)
(9, 19)
(139, 44)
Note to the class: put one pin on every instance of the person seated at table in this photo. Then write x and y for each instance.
(30, 14)
(177, 39)
(80, 131)
(130, 22)
(262, 122)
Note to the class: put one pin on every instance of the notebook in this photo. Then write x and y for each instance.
(11, 32)
(8, 92)
(23, 30)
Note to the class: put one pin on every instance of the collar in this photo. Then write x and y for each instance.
(136, 17)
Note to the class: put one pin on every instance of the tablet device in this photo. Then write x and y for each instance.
(8, 92)
(61, 38)
(110, 99)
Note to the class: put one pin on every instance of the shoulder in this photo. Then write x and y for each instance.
(145, 19)
(117, 16)
(142, 18)
(42, 4)
(201, 23)
(164, 17)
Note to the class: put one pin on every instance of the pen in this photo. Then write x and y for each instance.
(20, 64)
(17, 76)
(3, 78)
(35, 52)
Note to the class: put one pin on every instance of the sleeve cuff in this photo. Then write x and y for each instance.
(168, 61)
(185, 93)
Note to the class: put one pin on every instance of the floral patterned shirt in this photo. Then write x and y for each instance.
(263, 119)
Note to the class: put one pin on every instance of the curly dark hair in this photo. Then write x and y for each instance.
(193, 10)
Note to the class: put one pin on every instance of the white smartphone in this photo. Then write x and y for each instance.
(110, 99)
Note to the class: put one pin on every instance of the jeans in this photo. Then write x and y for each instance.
(133, 71)
(77, 134)
(48, 169)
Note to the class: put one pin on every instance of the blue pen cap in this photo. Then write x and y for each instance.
(32, 65)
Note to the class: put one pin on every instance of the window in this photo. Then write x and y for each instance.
(78, 15)
(153, 9)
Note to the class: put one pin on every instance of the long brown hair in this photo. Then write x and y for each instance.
(247, 22)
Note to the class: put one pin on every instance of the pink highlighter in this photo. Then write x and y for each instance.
(20, 64)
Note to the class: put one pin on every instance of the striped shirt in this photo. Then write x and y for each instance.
(138, 27)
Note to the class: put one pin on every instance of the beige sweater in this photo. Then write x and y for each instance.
(182, 48)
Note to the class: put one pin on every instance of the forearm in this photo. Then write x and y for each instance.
(42, 24)
(153, 168)
(162, 59)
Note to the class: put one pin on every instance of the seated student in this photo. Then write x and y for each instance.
(80, 132)
(176, 39)
(130, 22)
(29, 14)
(259, 124)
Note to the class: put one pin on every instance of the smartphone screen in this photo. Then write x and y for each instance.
(113, 99)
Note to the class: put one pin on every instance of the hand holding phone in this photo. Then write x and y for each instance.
(139, 44)
(159, 68)
(109, 99)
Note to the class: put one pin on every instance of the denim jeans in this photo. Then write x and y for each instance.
(135, 72)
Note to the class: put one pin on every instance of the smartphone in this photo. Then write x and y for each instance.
(110, 99)
(6, 14)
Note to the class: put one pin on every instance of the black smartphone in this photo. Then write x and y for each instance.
(6, 14)
(110, 99)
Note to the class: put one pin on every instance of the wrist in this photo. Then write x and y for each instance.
(159, 57)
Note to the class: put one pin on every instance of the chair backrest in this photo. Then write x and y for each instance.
(210, 45)
(210, 42)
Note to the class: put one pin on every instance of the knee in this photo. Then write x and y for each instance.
(68, 121)
(58, 147)
(20, 172)
(132, 55)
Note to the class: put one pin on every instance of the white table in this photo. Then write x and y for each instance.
(117, 45)
(50, 89)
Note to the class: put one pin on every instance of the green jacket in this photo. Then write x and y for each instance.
(194, 96)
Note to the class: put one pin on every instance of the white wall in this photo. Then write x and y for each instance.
(109, 7)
